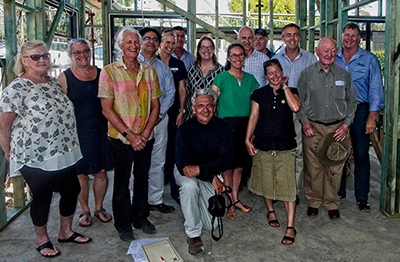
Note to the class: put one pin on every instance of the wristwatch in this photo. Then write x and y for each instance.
(125, 133)
(182, 110)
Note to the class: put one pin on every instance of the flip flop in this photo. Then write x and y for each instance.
(48, 245)
(102, 212)
(73, 238)
(88, 219)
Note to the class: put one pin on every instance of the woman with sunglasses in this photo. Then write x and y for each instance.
(201, 75)
(81, 84)
(234, 87)
(39, 138)
(270, 140)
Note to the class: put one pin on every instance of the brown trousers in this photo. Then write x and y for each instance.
(321, 182)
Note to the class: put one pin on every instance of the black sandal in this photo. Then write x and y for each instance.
(272, 222)
(47, 245)
(291, 239)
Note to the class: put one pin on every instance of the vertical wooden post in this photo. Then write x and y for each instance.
(390, 179)
(311, 24)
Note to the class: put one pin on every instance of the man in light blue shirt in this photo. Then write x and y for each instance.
(294, 60)
(150, 42)
(365, 72)
(180, 52)
(253, 64)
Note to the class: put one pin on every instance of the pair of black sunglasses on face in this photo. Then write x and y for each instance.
(36, 57)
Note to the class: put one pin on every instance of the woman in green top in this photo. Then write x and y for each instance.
(234, 87)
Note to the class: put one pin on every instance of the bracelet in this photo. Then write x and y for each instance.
(125, 133)
(182, 111)
(284, 88)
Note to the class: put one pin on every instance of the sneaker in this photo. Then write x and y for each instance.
(163, 208)
(126, 236)
(145, 225)
(195, 245)
(363, 205)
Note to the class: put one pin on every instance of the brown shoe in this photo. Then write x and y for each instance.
(334, 213)
(195, 245)
(312, 212)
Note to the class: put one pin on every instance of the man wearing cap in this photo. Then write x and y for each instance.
(294, 60)
(365, 71)
(261, 41)
(150, 43)
(328, 106)
(253, 64)
(180, 52)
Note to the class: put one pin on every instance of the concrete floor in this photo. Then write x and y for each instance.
(356, 236)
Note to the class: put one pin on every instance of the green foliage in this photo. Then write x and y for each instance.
(380, 54)
(280, 7)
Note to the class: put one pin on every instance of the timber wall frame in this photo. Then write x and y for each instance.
(334, 15)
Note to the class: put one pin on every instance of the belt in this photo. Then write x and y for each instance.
(328, 124)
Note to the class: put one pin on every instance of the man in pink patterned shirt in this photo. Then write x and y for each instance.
(129, 92)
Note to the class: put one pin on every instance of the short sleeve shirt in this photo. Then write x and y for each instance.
(234, 100)
(44, 132)
(275, 127)
(132, 95)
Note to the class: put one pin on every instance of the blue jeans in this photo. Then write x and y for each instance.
(126, 211)
(360, 142)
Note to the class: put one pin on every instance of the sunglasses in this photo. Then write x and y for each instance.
(36, 57)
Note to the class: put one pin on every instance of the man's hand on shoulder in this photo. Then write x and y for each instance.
(218, 185)
(191, 171)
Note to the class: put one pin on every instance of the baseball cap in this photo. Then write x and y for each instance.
(261, 31)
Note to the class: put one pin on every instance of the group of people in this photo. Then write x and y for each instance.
(160, 112)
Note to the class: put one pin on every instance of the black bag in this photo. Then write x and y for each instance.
(216, 207)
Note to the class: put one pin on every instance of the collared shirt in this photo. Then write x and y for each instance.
(43, 134)
(294, 69)
(178, 70)
(187, 58)
(254, 64)
(326, 96)
(166, 80)
(270, 54)
(275, 127)
(366, 73)
(132, 95)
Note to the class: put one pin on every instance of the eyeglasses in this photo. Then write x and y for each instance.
(208, 48)
(202, 106)
(236, 56)
(84, 52)
(36, 57)
(148, 38)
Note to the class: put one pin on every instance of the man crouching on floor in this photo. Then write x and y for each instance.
(204, 147)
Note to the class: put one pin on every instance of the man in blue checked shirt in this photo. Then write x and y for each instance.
(365, 72)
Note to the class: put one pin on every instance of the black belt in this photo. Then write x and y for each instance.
(328, 124)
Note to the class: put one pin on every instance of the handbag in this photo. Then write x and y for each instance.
(217, 207)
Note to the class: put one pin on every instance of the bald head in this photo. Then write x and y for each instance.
(326, 52)
(246, 39)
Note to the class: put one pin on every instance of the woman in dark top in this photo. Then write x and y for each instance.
(270, 139)
(80, 83)
(175, 113)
